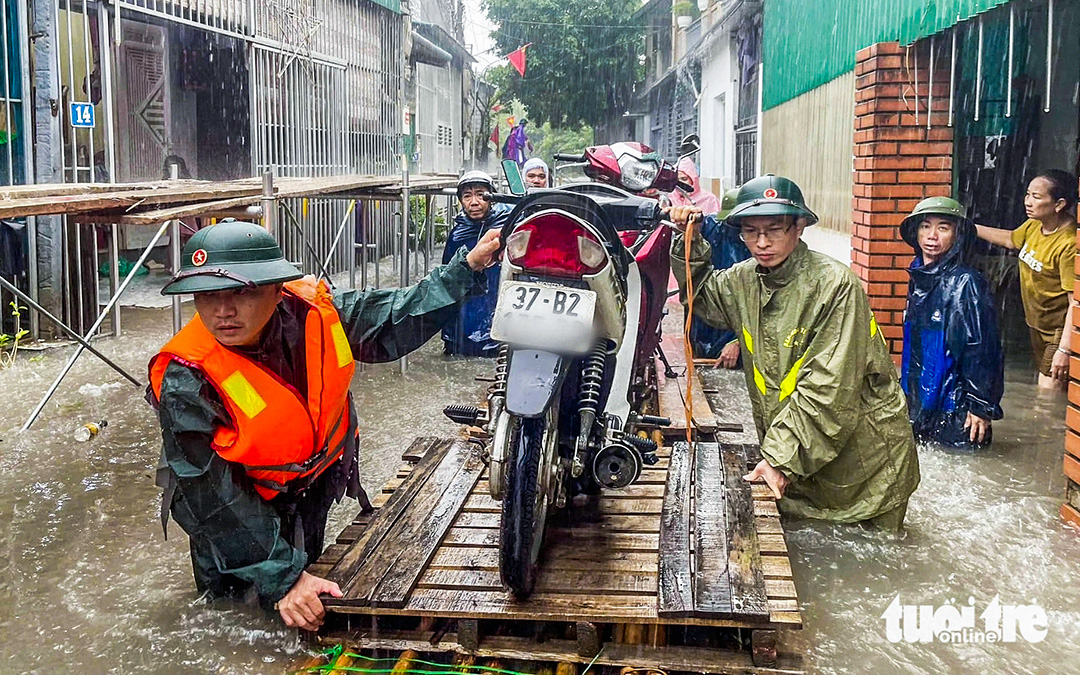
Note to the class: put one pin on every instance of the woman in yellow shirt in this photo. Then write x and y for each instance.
(1047, 245)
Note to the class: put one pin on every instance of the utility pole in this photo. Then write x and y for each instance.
(48, 161)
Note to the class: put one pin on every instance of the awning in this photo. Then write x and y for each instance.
(425, 51)
(935, 16)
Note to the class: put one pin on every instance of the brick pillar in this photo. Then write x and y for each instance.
(1070, 510)
(898, 162)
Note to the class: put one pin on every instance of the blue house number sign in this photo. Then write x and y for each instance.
(82, 115)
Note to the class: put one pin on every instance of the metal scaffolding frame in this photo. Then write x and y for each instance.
(319, 74)
(402, 248)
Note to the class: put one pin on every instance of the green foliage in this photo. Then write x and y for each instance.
(684, 8)
(548, 141)
(9, 344)
(584, 60)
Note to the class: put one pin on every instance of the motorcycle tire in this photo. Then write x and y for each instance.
(524, 509)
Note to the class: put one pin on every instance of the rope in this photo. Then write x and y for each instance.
(688, 349)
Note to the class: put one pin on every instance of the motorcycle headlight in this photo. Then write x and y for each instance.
(637, 174)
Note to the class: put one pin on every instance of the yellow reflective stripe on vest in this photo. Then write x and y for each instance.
(243, 394)
(874, 329)
(748, 340)
(788, 385)
(341, 345)
(759, 380)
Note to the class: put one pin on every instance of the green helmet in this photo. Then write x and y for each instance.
(933, 206)
(231, 254)
(770, 195)
(731, 198)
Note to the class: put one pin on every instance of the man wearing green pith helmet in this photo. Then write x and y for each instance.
(258, 426)
(835, 438)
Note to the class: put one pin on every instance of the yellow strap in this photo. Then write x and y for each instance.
(873, 326)
(788, 385)
(748, 340)
(341, 345)
(759, 380)
(243, 394)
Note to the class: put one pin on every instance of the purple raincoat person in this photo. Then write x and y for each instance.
(517, 143)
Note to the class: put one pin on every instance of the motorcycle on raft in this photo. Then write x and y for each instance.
(584, 279)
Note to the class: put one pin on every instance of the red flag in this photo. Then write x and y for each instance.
(495, 136)
(517, 59)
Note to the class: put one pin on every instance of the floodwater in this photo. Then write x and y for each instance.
(88, 584)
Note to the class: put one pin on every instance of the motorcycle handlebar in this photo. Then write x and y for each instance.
(567, 157)
(501, 198)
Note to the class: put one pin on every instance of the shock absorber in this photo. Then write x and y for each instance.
(498, 389)
(498, 423)
(592, 380)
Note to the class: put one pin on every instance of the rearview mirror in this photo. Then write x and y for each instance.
(689, 145)
(514, 182)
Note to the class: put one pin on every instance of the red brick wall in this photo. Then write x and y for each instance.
(1070, 510)
(898, 162)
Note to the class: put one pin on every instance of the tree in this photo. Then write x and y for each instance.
(585, 58)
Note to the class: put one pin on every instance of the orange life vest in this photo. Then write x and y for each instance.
(284, 439)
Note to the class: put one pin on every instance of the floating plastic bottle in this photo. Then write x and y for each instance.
(89, 430)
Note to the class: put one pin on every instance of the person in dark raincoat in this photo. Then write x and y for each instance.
(952, 370)
(469, 333)
(244, 473)
(711, 342)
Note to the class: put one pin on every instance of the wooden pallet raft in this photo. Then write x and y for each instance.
(687, 551)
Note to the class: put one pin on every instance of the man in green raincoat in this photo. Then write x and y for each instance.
(828, 406)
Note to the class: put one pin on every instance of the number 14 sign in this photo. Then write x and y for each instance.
(82, 115)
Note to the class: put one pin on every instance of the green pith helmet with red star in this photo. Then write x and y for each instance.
(231, 254)
(770, 195)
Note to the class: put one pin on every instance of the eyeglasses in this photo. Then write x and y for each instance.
(774, 234)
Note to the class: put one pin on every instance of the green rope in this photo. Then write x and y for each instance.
(593, 661)
(333, 653)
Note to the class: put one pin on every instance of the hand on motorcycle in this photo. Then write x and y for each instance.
(684, 217)
(776, 480)
(486, 252)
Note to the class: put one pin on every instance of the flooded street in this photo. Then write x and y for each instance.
(88, 584)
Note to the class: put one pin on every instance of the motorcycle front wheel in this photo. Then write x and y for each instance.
(530, 472)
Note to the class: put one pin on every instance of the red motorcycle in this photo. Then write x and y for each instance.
(582, 291)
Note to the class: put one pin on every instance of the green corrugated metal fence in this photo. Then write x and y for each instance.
(807, 43)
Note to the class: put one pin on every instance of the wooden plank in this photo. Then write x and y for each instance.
(743, 555)
(712, 588)
(610, 522)
(120, 198)
(561, 539)
(537, 607)
(780, 589)
(606, 506)
(675, 595)
(399, 535)
(346, 568)
(573, 559)
(776, 566)
(416, 451)
(766, 508)
(564, 581)
(671, 402)
(422, 531)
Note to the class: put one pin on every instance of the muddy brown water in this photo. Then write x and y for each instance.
(88, 584)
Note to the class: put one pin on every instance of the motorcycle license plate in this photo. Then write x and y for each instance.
(544, 316)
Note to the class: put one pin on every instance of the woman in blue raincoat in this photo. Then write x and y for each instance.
(469, 334)
(952, 370)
